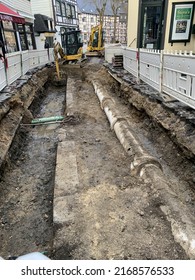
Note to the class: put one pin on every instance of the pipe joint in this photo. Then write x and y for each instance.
(119, 119)
(141, 162)
(105, 101)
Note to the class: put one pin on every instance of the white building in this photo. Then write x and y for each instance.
(16, 25)
(63, 13)
(88, 17)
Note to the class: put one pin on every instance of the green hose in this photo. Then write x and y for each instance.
(48, 119)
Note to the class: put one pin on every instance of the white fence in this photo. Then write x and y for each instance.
(179, 77)
(150, 68)
(171, 73)
(3, 81)
(18, 63)
(130, 61)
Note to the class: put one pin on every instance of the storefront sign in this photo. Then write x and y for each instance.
(181, 22)
(11, 18)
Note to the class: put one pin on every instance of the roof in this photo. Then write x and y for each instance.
(39, 24)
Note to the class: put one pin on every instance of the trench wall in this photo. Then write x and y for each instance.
(176, 118)
(14, 103)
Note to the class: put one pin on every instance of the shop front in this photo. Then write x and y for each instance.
(15, 33)
(161, 24)
(151, 21)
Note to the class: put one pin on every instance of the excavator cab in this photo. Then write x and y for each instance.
(72, 45)
(96, 42)
(70, 51)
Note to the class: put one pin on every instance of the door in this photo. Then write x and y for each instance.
(151, 24)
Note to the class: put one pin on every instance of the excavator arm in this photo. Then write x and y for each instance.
(72, 50)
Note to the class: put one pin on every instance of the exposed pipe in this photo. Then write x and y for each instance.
(182, 228)
(146, 166)
(47, 119)
(123, 132)
(41, 123)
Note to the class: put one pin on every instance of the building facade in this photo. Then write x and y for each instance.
(161, 24)
(63, 13)
(16, 26)
(86, 22)
(88, 18)
(66, 18)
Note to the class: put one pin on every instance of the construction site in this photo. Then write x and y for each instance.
(95, 167)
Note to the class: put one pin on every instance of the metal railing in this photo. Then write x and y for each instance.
(172, 73)
(19, 63)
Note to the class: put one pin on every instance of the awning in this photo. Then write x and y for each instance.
(10, 15)
(40, 25)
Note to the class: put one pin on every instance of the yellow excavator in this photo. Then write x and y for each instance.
(96, 42)
(71, 50)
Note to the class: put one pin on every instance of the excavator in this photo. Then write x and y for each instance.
(96, 42)
(71, 50)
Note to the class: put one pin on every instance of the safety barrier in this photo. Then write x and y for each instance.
(172, 73)
(3, 80)
(130, 61)
(14, 69)
(179, 77)
(150, 68)
(19, 63)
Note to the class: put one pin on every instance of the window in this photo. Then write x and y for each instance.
(8, 25)
(63, 9)
(10, 36)
(46, 23)
(68, 10)
(71, 39)
(51, 25)
(10, 40)
(29, 37)
(28, 28)
(50, 41)
(23, 41)
(29, 40)
(58, 8)
(151, 24)
(73, 11)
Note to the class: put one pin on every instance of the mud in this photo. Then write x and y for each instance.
(115, 215)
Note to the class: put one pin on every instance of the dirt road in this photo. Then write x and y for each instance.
(111, 214)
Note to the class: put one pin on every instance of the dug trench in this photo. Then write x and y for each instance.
(105, 211)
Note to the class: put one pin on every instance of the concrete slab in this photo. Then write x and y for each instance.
(66, 182)
(66, 179)
(62, 211)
